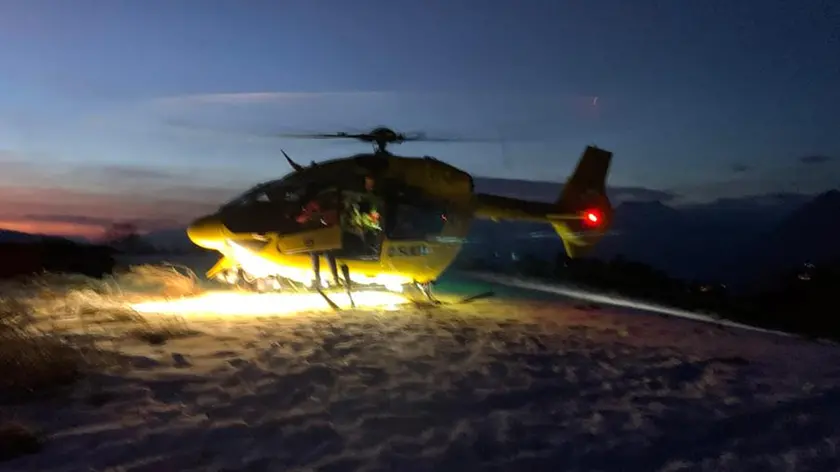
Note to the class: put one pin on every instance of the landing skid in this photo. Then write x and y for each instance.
(345, 271)
(427, 289)
(428, 298)
(329, 300)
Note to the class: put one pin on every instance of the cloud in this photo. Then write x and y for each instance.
(257, 115)
(746, 185)
(134, 173)
(623, 194)
(202, 184)
(249, 114)
(250, 98)
(20, 166)
(815, 159)
(795, 178)
(93, 212)
(87, 220)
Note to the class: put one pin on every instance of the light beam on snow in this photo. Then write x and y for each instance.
(264, 304)
(613, 300)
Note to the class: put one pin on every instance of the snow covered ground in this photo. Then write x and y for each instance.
(512, 383)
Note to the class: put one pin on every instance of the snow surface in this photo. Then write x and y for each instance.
(499, 384)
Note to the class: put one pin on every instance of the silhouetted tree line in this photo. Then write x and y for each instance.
(59, 255)
(640, 281)
(55, 255)
(800, 300)
(125, 238)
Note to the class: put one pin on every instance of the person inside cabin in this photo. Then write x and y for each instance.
(321, 208)
(308, 212)
(361, 219)
(361, 210)
(309, 206)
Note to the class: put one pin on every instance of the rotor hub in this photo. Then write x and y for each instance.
(380, 137)
(385, 134)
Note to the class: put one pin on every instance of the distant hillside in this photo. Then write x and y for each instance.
(26, 254)
(699, 241)
(173, 239)
(809, 234)
(9, 236)
(694, 241)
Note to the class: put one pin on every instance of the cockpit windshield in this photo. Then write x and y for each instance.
(274, 191)
(248, 196)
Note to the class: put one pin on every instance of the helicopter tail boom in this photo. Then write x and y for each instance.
(580, 215)
(585, 210)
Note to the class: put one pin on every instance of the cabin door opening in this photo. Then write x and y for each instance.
(361, 224)
(317, 222)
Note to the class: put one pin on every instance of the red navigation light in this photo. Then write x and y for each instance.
(591, 217)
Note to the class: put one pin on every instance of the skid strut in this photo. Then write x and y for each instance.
(333, 268)
(345, 272)
(427, 288)
(316, 269)
(348, 285)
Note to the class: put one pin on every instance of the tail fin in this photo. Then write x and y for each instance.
(585, 212)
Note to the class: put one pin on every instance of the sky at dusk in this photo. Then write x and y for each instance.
(156, 110)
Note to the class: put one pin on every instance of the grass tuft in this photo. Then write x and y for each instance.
(53, 326)
(18, 440)
(171, 281)
(50, 325)
(160, 332)
(33, 362)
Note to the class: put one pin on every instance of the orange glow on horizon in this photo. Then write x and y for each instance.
(53, 228)
(58, 207)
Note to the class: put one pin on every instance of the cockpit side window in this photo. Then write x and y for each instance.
(412, 216)
(246, 197)
(280, 194)
(272, 192)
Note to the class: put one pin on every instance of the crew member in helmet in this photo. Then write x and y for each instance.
(313, 210)
(361, 210)
(361, 218)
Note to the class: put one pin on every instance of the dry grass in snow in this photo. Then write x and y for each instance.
(52, 330)
(496, 385)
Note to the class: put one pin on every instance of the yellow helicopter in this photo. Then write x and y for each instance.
(379, 219)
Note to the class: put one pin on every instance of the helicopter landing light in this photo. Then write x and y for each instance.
(257, 266)
(225, 304)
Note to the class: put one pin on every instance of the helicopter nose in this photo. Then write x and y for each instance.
(207, 232)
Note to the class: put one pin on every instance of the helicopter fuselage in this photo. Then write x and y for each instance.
(425, 208)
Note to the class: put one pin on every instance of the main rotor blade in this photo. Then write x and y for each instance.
(314, 135)
(363, 136)
(423, 137)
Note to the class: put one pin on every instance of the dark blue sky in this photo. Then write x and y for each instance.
(708, 98)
